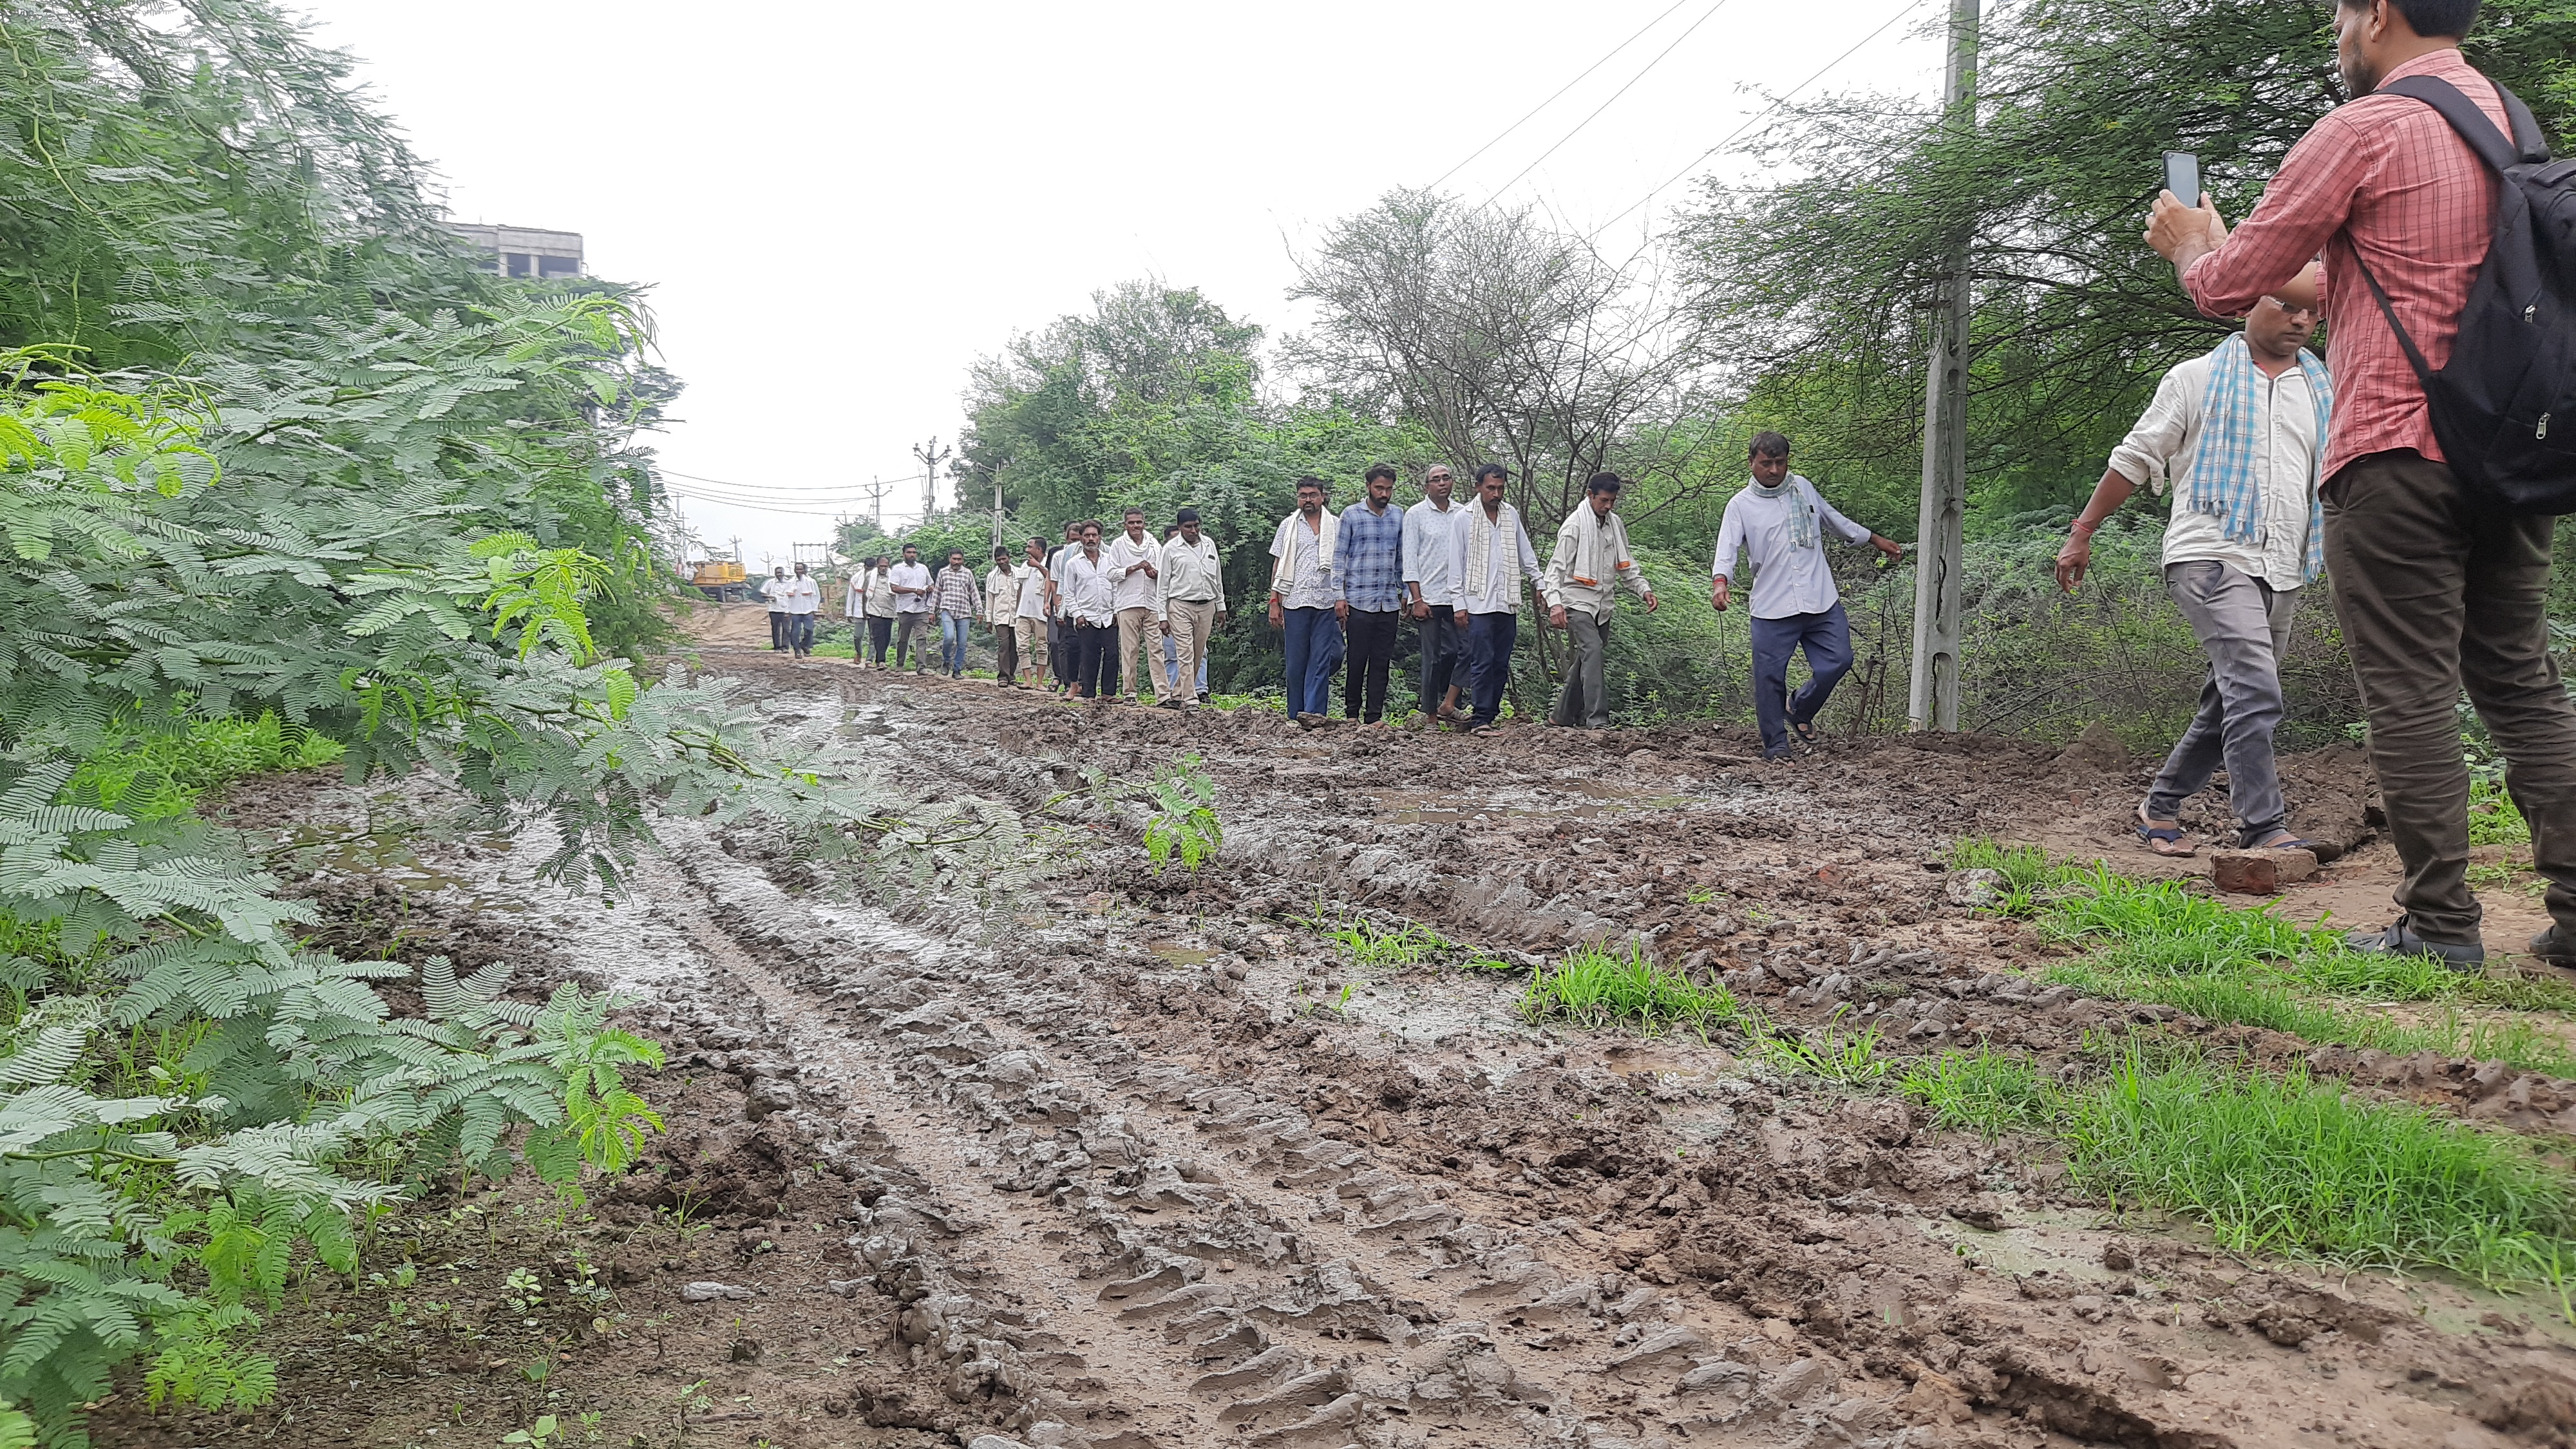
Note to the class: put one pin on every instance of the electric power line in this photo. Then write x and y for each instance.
(1552, 99)
(1778, 101)
(834, 488)
(1605, 105)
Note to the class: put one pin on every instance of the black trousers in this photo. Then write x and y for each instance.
(1095, 660)
(1444, 651)
(1060, 649)
(880, 634)
(1368, 641)
(777, 628)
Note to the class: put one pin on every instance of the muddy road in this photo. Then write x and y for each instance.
(1145, 1159)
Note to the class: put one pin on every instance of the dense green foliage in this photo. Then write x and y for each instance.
(283, 476)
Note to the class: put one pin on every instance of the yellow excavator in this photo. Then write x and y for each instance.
(721, 579)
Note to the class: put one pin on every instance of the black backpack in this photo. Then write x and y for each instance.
(2504, 406)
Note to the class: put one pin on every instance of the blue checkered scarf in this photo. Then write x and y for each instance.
(2222, 475)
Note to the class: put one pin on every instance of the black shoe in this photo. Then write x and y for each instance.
(2555, 947)
(2398, 940)
(1785, 752)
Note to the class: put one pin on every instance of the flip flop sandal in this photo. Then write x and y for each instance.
(1484, 730)
(2293, 843)
(1807, 733)
(2165, 840)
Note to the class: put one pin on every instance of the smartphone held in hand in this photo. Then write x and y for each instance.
(2182, 176)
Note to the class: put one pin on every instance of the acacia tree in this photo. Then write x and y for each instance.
(1507, 340)
(1822, 277)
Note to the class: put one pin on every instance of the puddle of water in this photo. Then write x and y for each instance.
(1181, 955)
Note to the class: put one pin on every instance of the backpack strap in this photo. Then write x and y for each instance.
(2466, 118)
(2414, 354)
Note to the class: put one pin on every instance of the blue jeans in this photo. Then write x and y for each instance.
(800, 634)
(1172, 662)
(1490, 638)
(1827, 639)
(952, 642)
(1314, 655)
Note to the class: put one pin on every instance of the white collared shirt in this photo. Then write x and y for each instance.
(1134, 589)
(911, 576)
(2166, 442)
(1301, 561)
(801, 595)
(1429, 541)
(1494, 590)
(1192, 573)
(1787, 580)
(1090, 594)
(1002, 595)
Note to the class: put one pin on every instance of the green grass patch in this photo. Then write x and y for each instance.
(1831, 1054)
(2168, 943)
(1370, 946)
(153, 774)
(2285, 1165)
(1590, 987)
(2493, 817)
(2281, 1165)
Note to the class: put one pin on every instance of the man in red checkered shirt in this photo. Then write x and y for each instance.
(2437, 586)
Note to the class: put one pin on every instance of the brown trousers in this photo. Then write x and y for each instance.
(2440, 589)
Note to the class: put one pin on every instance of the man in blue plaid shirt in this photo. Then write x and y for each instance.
(1369, 565)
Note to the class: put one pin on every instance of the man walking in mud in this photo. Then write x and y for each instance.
(1193, 587)
(1001, 614)
(2438, 585)
(871, 610)
(1089, 585)
(802, 597)
(1430, 528)
(1304, 597)
(958, 602)
(773, 592)
(1136, 559)
(1369, 568)
(1490, 558)
(2240, 430)
(1781, 521)
(911, 584)
(1590, 566)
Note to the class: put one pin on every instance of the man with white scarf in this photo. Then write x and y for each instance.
(1781, 521)
(1303, 592)
(2241, 429)
(1591, 564)
(1491, 556)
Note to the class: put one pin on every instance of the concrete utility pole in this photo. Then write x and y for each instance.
(876, 502)
(931, 456)
(1933, 700)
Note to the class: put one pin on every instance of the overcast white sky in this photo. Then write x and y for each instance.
(839, 207)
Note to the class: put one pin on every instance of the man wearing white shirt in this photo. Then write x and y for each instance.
(1059, 612)
(873, 595)
(1303, 591)
(803, 597)
(1782, 521)
(1429, 539)
(1135, 561)
(2245, 537)
(1491, 557)
(1088, 584)
(1001, 615)
(1590, 565)
(773, 592)
(1193, 602)
(912, 624)
(1037, 592)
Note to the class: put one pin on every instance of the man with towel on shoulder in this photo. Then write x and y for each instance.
(1590, 566)
(1490, 556)
(1303, 593)
(2243, 427)
(1781, 520)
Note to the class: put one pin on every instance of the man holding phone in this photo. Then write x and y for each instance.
(2239, 431)
(2439, 587)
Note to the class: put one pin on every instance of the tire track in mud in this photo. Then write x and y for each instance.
(1214, 1265)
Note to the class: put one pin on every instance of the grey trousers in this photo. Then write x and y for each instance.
(1584, 701)
(2440, 590)
(914, 632)
(2243, 625)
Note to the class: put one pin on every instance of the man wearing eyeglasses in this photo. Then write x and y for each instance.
(2239, 432)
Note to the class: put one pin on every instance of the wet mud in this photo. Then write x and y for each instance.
(1146, 1160)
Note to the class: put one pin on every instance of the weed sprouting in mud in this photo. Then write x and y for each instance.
(1404, 946)
(1982, 1092)
(1591, 987)
(1179, 809)
(1830, 1054)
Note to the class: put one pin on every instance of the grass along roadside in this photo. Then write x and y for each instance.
(2281, 1164)
(2164, 943)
